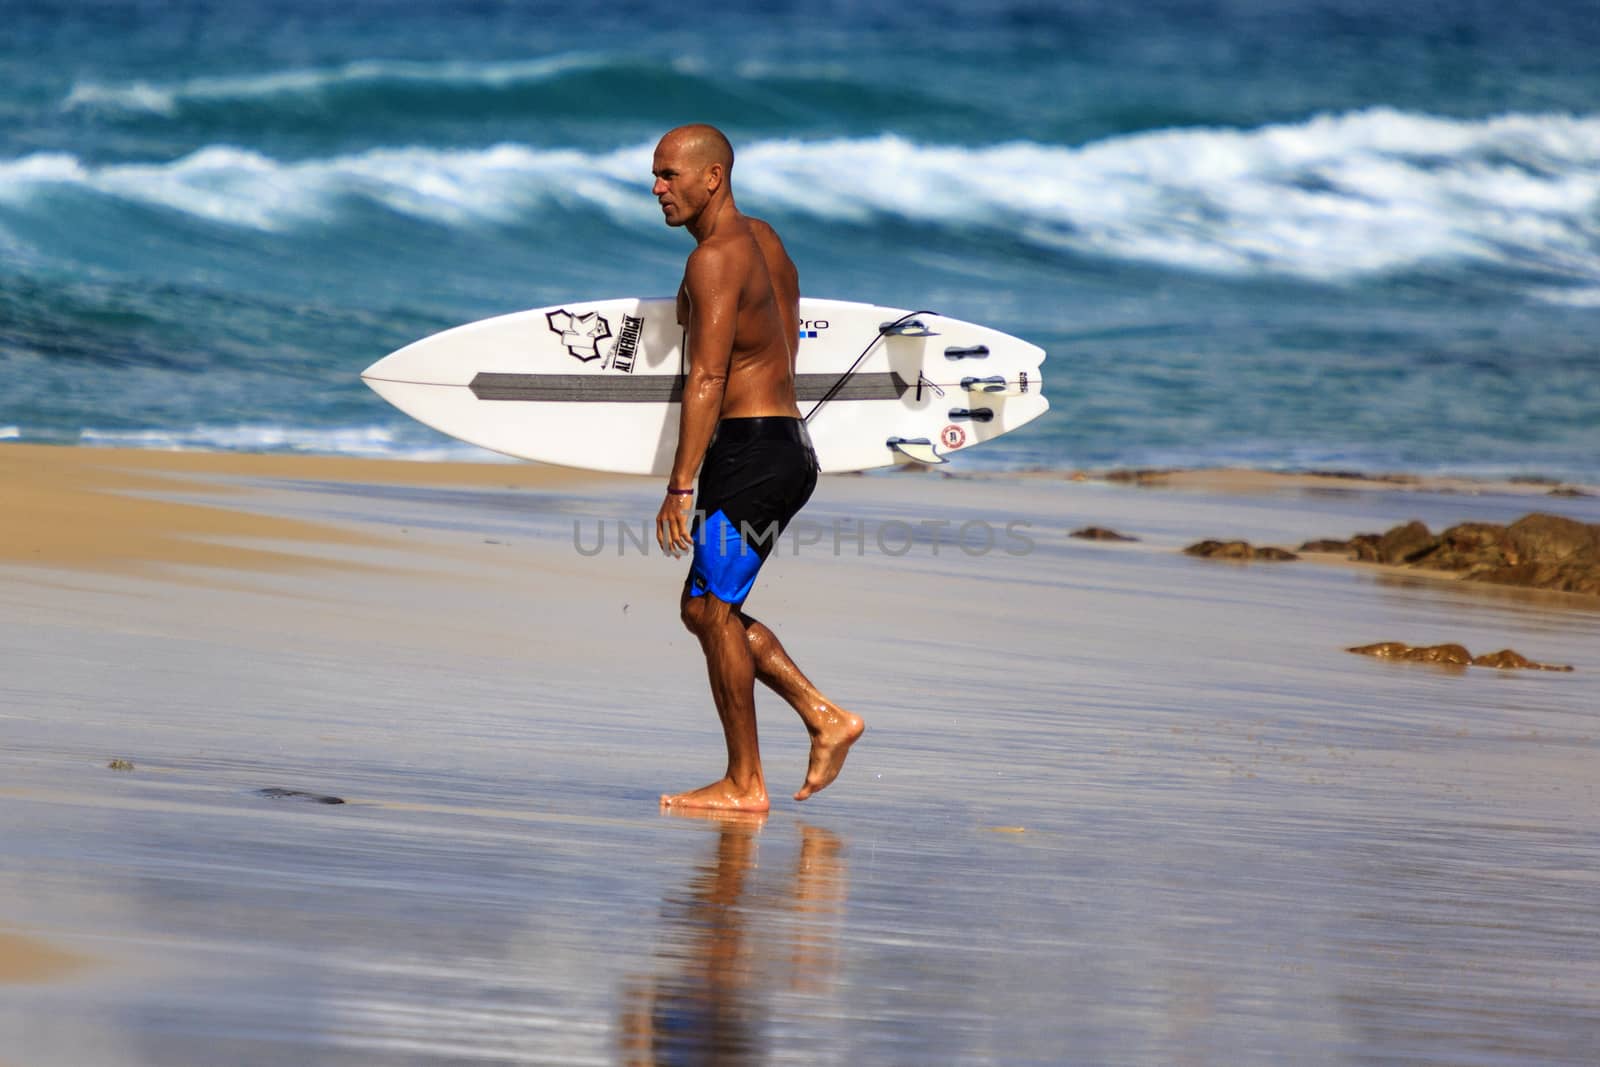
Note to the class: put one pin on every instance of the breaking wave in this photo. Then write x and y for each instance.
(318, 86)
(1335, 198)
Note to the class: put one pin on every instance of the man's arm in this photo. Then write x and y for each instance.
(711, 282)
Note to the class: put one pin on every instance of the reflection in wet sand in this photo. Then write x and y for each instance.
(727, 946)
(26, 959)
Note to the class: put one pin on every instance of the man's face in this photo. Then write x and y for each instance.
(681, 186)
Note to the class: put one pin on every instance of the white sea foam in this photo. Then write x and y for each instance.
(244, 188)
(167, 98)
(370, 441)
(1333, 198)
(10, 433)
(18, 175)
(1577, 298)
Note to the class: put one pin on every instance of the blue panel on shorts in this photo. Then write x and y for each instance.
(724, 565)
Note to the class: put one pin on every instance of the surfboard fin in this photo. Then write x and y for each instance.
(918, 448)
(995, 383)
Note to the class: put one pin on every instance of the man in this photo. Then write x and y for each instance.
(742, 433)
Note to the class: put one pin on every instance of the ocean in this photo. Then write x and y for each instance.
(1277, 234)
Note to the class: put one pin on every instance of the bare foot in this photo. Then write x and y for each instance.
(721, 795)
(829, 746)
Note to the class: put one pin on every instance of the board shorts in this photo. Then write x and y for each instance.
(758, 473)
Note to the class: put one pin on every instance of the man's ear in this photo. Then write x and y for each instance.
(716, 173)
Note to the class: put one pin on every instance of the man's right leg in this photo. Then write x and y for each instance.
(833, 729)
(729, 664)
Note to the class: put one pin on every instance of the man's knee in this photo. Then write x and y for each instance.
(689, 612)
(702, 613)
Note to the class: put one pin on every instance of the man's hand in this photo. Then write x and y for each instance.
(672, 524)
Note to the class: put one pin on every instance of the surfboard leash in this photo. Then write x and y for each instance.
(883, 331)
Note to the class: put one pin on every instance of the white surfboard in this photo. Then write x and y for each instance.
(598, 384)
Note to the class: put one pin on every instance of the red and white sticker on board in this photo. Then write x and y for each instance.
(953, 436)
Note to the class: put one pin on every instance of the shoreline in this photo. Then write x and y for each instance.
(514, 473)
(1251, 480)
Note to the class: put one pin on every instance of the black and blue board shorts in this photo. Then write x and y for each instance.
(758, 473)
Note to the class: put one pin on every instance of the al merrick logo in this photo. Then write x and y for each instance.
(626, 349)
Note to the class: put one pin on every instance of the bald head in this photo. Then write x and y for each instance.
(701, 145)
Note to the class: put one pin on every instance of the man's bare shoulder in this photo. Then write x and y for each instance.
(712, 261)
(730, 251)
(779, 264)
(764, 234)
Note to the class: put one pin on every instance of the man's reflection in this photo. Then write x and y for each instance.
(727, 944)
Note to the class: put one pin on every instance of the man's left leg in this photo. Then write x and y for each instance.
(722, 636)
(833, 729)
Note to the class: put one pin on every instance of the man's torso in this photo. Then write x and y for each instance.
(760, 378)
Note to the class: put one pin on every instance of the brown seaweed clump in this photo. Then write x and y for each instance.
(1142, 476)
(1538, 551)
(1100, 533)
(1242, 550)
(1454, 655)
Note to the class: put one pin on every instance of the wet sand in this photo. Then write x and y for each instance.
(1116, 805)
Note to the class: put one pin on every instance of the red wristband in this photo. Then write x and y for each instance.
(679, 492)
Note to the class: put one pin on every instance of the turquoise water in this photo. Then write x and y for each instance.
(1278, 235)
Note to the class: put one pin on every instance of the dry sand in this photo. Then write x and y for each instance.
(1116, 805)
(100, 509)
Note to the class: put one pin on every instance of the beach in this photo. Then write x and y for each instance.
(1115, 805)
